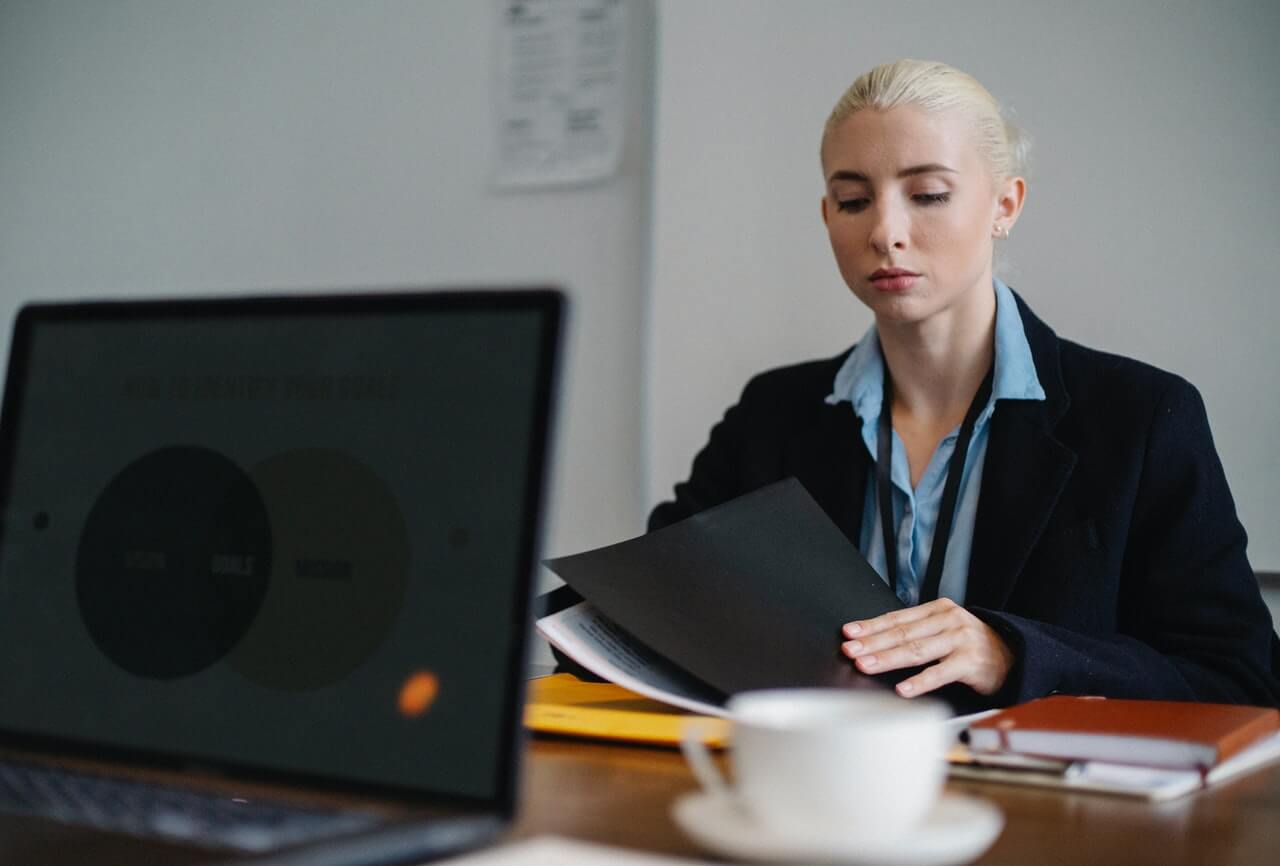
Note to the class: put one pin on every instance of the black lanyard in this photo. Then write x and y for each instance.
(950, 493)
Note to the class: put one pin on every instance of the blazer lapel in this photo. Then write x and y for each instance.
(829, 459)
(1025, 472)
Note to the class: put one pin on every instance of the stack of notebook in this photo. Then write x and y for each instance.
(1152, 749)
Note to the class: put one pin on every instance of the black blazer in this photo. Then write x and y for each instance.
(1106, 549)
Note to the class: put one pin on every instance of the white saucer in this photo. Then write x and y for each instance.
(956, 831)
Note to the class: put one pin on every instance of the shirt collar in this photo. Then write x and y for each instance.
(860, 379)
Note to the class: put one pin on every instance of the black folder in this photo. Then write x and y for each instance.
(750, 594)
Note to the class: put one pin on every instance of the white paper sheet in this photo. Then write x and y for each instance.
(559, 91)
(594, 642)
(556, 851)
(1145, 782)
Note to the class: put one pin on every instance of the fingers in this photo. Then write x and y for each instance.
(906, 638)
(862, 627)
(913, 635)
(962, 647)
(945, 672)
(907, 653)
(982, 665)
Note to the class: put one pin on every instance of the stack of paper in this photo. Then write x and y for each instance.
(750, 594)
(1152, 749)
(563, 704)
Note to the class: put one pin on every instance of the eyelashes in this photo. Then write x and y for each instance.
(924, 199)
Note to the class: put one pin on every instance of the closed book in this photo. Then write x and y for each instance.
(1173, 734)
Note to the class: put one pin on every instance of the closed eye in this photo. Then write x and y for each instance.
(852, 205)
(931, 198)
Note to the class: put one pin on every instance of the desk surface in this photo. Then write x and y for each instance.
(621, 795)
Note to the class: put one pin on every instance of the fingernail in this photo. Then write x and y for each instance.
(867, 661)
(852, 646)
(852, 628)
(905, 688)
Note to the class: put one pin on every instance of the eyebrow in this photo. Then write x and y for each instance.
(926, 168)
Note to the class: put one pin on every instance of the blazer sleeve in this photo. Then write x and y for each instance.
(716, 475)
(1192, 624)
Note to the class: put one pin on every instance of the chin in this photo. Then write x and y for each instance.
(904, 308)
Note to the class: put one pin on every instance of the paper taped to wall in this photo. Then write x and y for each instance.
(559, 91)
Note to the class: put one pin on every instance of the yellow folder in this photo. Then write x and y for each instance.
(565, 705)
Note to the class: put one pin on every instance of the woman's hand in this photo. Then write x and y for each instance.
(965, 648)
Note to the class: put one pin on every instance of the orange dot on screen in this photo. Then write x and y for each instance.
(418, 693)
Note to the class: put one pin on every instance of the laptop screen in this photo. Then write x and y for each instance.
(291, 534)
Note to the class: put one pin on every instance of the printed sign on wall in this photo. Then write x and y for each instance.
(559, 91)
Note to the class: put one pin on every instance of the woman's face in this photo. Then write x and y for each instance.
(911, 209)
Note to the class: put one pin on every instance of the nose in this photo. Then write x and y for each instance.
(889, 229)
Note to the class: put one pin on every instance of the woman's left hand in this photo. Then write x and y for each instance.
(965, 649)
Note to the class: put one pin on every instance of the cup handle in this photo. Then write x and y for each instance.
(692, 744)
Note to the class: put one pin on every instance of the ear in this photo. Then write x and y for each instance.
(824, 211)
(1009, 198)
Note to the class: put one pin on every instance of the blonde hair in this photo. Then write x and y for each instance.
(934, 86)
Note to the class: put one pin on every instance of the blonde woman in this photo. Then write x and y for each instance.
(1056, 519)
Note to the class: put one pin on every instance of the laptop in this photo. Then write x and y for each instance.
(265, 574)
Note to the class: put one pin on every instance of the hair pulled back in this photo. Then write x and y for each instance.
(937, 87)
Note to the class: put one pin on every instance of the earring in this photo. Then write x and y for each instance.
(1002, 232)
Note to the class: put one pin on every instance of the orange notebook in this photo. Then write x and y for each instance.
(1174, 734)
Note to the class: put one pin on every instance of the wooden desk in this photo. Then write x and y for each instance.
(621, 795)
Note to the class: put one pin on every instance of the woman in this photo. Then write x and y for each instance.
(1055, 518)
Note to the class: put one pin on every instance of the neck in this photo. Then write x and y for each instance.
(937, 364)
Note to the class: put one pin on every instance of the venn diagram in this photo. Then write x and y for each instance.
(292, 570)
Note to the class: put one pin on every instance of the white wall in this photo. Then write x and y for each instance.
(158, 147)
(171, 146)
(1150, 228)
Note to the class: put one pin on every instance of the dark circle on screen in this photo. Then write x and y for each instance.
(339, 572)
(173, 562)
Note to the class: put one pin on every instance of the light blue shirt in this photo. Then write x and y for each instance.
(860, 381)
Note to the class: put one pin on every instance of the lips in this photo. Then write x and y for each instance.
(893, 279)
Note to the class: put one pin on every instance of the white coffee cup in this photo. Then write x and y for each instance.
(825, 762)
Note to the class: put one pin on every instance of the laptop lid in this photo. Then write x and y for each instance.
(287, 539)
